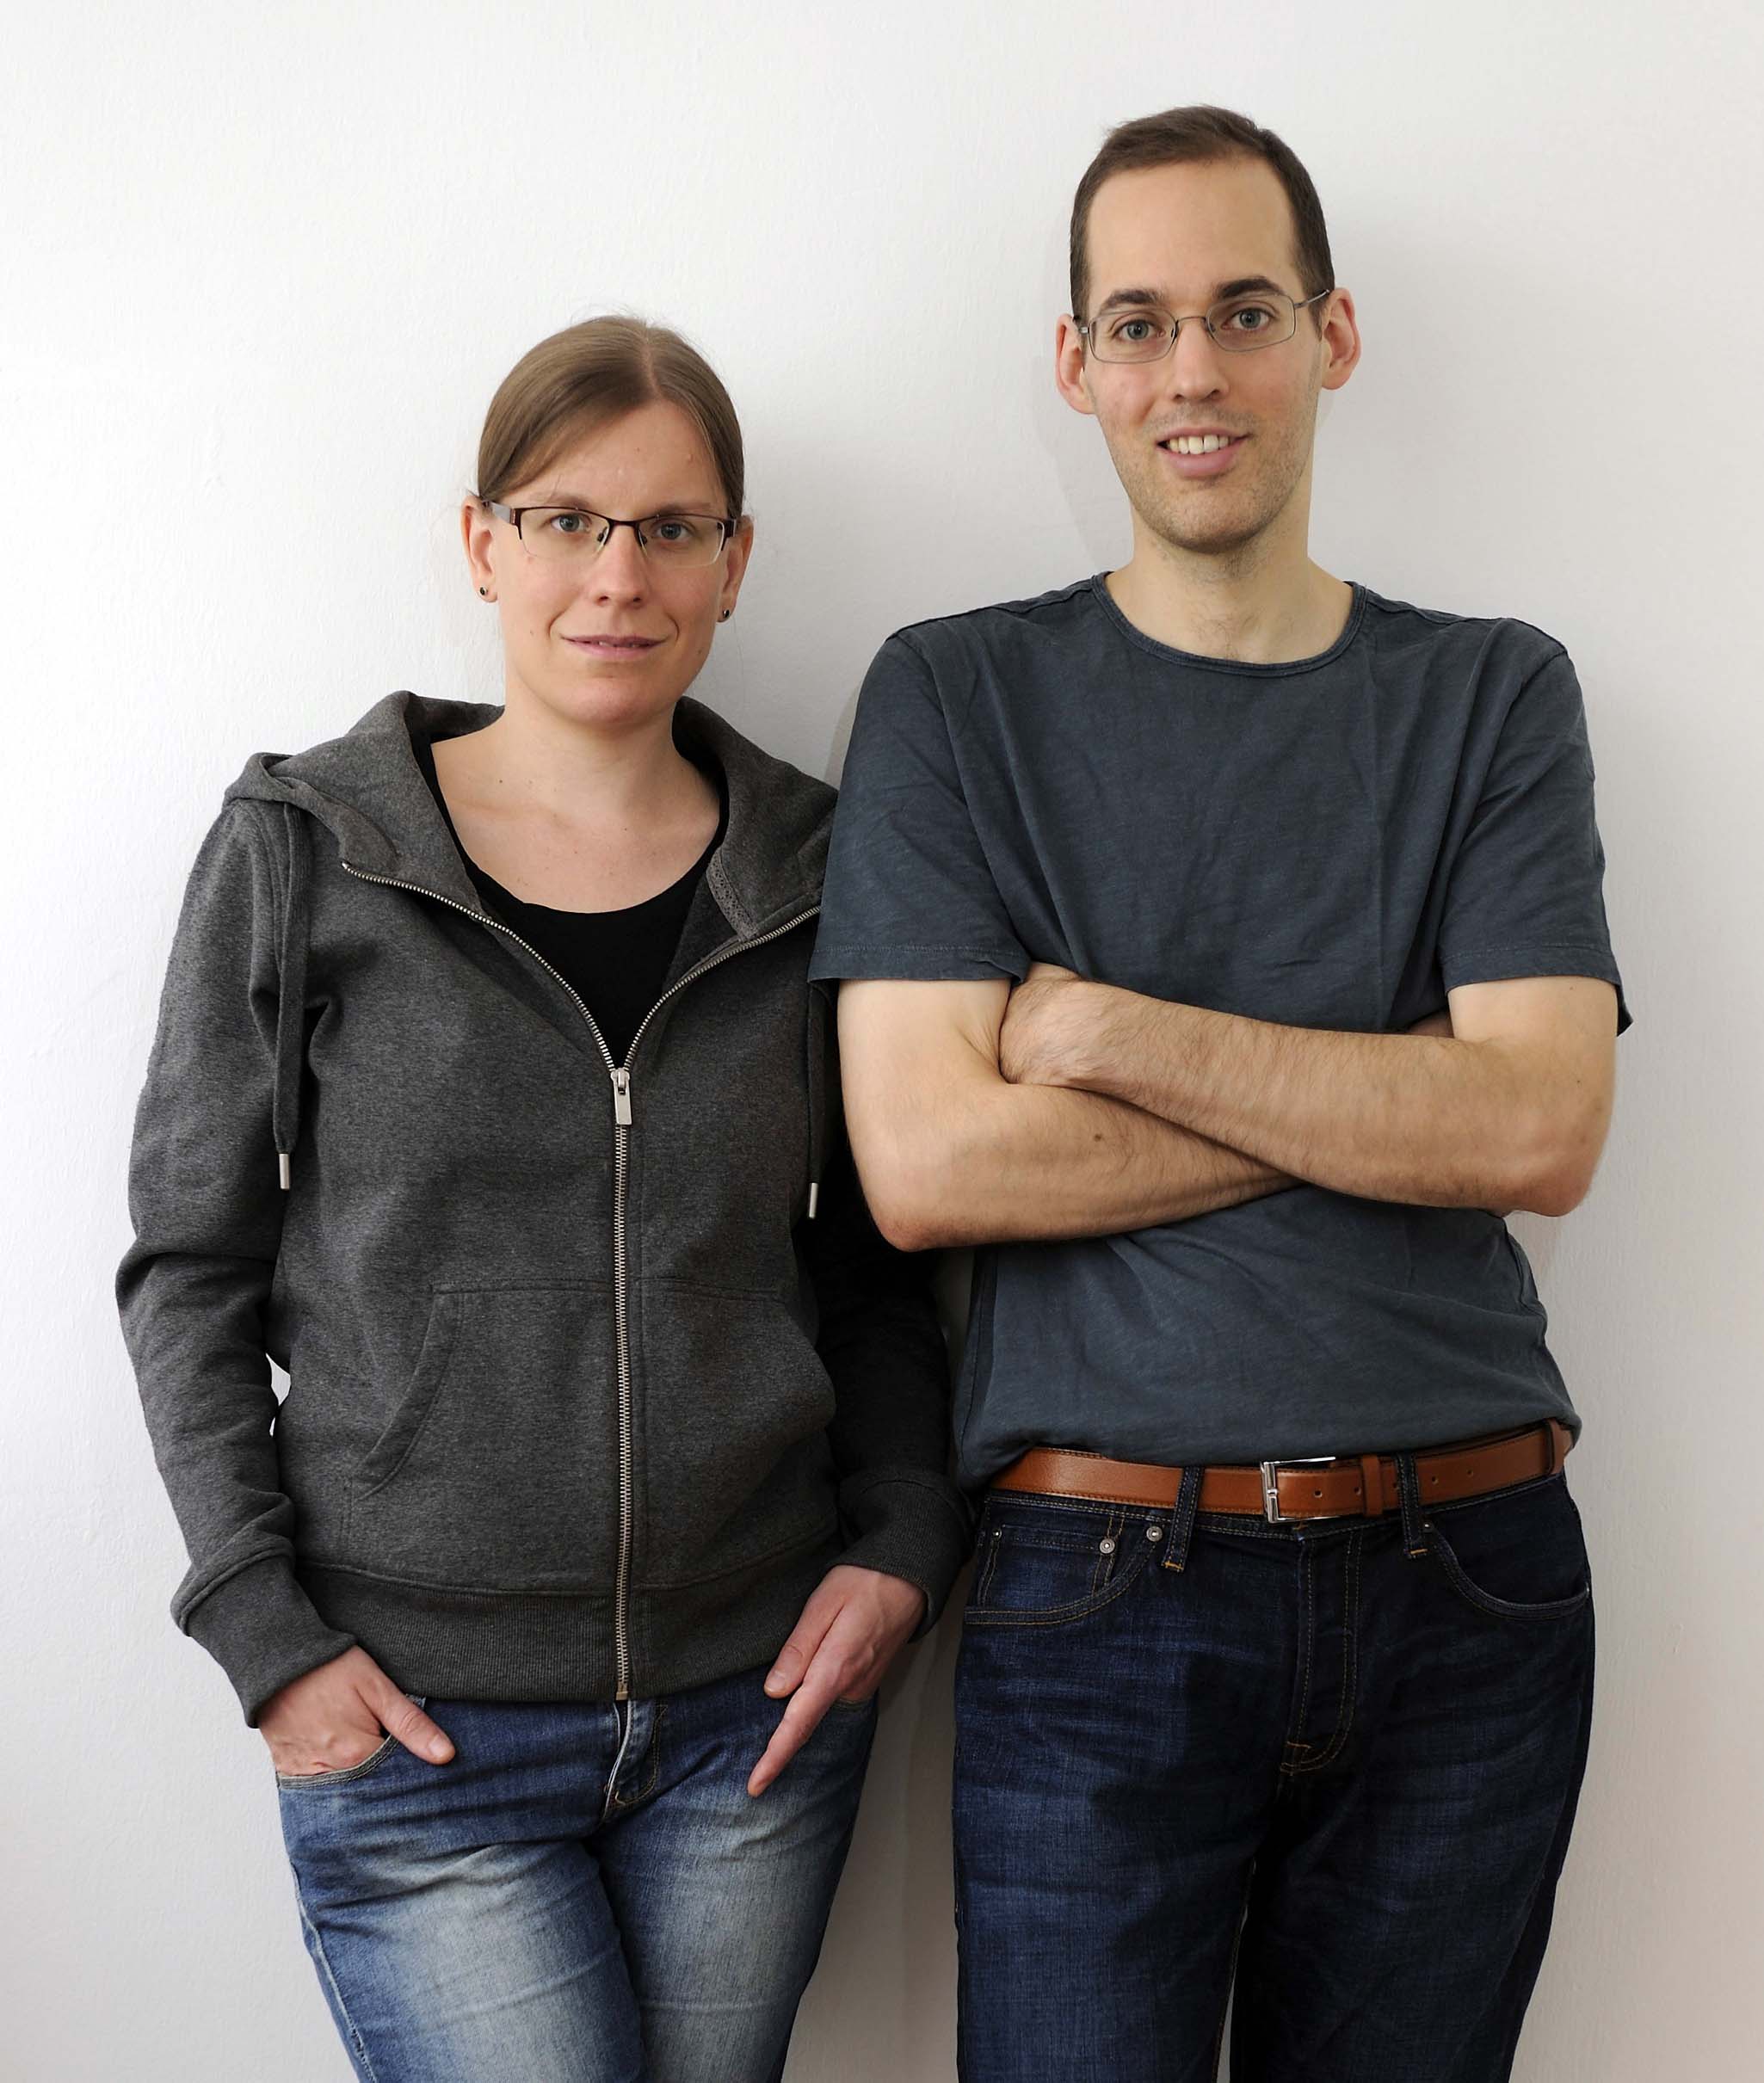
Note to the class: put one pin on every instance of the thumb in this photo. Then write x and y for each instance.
(400, 1716)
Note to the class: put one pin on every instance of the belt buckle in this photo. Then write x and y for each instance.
(1271, 1488)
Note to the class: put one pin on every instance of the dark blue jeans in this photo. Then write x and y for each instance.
(1195, 1751)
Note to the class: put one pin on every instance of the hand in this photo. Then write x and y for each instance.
(1047, 1019)
(331, 1718)
(850, 1630)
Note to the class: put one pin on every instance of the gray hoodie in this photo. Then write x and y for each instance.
(592, 1373)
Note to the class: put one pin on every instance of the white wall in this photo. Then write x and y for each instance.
(264, 269)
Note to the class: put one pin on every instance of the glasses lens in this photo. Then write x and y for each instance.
(683, 539)
(562, 531)
(1258, 321)
(1135, 333)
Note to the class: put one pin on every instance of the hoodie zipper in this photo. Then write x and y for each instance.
(620, 1075)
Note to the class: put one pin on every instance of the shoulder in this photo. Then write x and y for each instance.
(1503, 648)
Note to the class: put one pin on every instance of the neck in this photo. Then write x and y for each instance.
(1262, 601)
(532, 759)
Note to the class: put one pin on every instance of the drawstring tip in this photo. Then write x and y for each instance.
(283, 1166)
(814, 1196)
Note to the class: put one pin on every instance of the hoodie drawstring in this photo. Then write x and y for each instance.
(817, 1089)
(291, 1010)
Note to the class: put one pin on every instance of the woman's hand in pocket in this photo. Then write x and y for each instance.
(331, 1718)
(850, 1630)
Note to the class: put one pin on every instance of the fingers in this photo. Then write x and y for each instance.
(401, 1717)
(805, 1639)
(801, 1718)
(331, 1718)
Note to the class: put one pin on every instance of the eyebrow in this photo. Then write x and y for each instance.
(578, 504)
(1241, 286)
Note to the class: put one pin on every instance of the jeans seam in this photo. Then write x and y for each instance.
(1350, 1644)
(359, 2046)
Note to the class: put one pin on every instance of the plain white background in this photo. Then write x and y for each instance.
(264, 271)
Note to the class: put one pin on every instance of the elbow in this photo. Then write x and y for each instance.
(908, 1187)
(1553, 1172)
(908, 1211)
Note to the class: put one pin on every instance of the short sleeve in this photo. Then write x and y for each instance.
(1524, 890)
(909, 893)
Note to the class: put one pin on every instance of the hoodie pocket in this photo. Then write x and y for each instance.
(499, 1467)
(736, 1463)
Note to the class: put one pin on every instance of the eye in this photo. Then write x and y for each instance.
(568, 523)
(1249, 317)
(1135, 329)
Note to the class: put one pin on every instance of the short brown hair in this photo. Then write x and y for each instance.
(590, 374)
(1184, 136)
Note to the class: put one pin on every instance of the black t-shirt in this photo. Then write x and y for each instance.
(616, 960)
(1336, 841)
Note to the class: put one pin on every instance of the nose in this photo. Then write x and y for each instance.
(619, 572)
(1196, 366)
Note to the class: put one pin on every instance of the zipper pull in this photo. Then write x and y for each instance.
(622, 1098)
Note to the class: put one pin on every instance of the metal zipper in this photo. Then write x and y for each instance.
(620, 1075)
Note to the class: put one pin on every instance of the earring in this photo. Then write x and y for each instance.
(725, 614)
(484, 592)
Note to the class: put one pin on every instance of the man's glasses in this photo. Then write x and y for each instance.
(1147, 332)
(573, 534)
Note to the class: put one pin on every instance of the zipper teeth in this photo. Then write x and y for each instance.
(621, 1133)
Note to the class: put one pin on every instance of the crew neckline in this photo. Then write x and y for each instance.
(1255, 668)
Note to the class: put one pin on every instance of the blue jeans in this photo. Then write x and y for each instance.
(584, 1893)
(1192, 1751)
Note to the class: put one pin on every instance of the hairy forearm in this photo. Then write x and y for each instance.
(999, 1163)
(1426, 1119)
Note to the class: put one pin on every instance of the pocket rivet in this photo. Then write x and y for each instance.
(1106, 1545)
(1154, 1533)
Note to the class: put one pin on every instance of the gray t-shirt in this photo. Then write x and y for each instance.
(1333, 842)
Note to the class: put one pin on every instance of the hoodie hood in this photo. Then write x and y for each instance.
(367, 792)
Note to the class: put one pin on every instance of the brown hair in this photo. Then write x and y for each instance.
(590, 374)
(1184, 136)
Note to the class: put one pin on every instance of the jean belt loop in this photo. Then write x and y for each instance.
(1181, 1531)
(1415, 1539)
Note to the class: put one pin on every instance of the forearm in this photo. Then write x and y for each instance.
(1001, 1163)
(1426, 1119)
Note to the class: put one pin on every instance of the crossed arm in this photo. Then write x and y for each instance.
(982, 1113)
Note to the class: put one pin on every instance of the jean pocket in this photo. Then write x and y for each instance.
(1517, 1556)
(498, 1467)
(345, 1774)
(1036, 1568)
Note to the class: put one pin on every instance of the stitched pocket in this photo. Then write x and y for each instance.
(498, 1469)
(1037, 1567)
(1517, 1555)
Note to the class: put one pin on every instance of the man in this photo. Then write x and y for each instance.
(1224, 949)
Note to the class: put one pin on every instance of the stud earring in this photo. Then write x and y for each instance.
(725, 614)
(485, 592)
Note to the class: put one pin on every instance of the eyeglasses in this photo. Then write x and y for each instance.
(573, 534)
(1147, 332)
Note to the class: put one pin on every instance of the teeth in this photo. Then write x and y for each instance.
(1198, 444)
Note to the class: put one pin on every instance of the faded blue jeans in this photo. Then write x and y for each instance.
(1191, 1750)
(584, 1893)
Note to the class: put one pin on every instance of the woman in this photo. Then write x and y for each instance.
(490, 1099)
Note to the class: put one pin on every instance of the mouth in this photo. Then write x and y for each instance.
(1207, 454)
(613, 647)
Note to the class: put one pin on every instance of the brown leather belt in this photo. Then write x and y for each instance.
(1338, 1486)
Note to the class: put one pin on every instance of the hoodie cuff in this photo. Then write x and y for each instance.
(263, 1631)
(918, 1526)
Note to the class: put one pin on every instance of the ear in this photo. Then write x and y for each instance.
(1071, 366)
(476, 531)
(740, 547)
(1340, 339)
